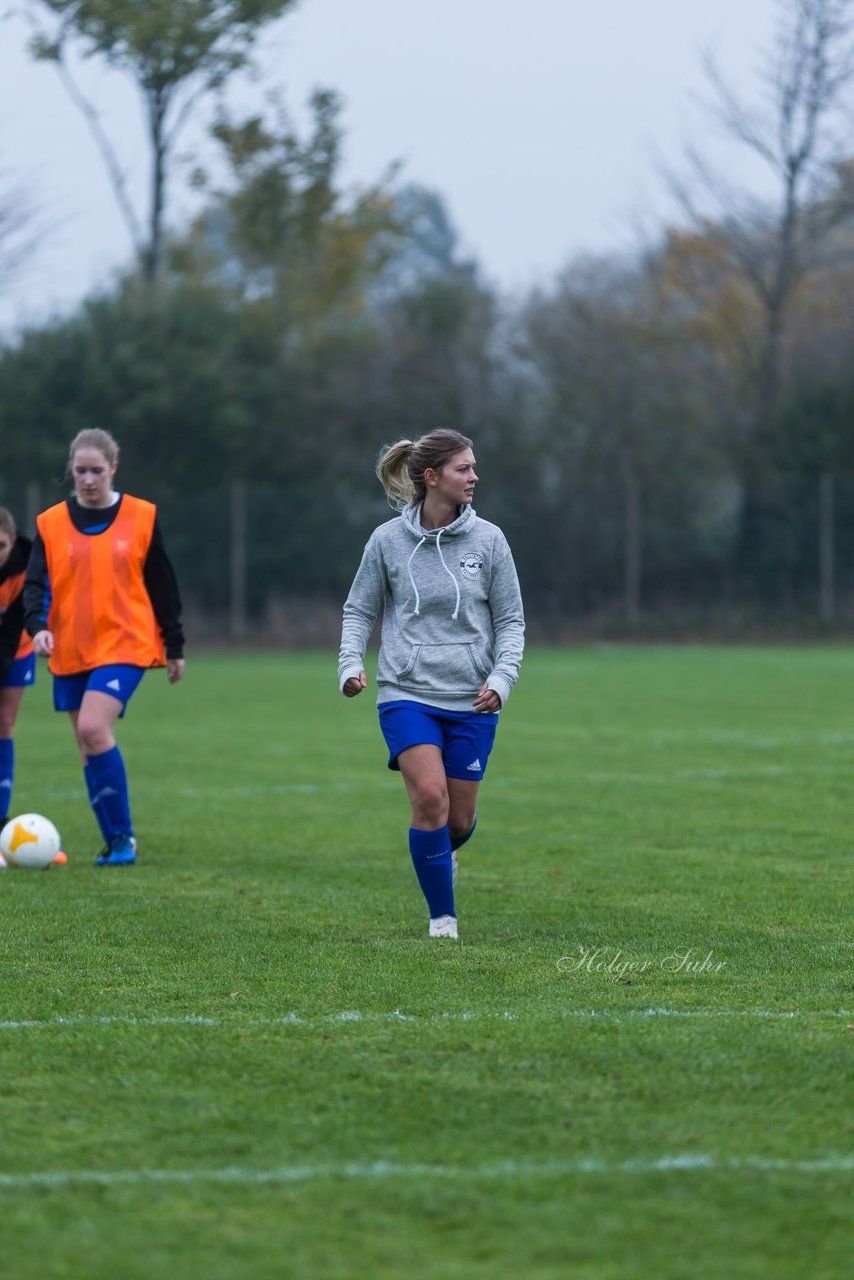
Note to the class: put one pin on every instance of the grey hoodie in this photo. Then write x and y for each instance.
(451, 610)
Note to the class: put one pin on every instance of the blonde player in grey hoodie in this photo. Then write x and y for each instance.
(445, 585)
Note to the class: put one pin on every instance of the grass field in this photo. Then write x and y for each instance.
(244, 1058)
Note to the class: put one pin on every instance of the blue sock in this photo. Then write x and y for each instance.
(109, 784)
(7, 777)
(93, 800)
(431, 857)
(457, 842)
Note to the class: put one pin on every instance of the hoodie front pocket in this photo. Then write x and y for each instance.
(413, 658)
(442, 669)
(480, 669)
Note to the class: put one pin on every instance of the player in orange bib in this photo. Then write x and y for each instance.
(102, 604)
(17, 661)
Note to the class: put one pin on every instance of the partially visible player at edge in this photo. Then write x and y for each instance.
(451, 645)
(101, 602)
(17, 660)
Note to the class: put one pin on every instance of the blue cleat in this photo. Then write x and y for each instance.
(120, 852)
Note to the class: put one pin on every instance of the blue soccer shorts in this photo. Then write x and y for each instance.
(20, 674)
(464, 738)
(120, 681)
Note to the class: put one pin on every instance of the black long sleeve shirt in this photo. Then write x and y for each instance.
(12, 618)
(158, 575)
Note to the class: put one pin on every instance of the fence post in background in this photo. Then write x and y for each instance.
(238, 550)
(33, 505)
(826, 550)
(632, 549)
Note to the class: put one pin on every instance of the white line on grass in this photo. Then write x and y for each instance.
(108, 1021)
(387, 1169)
(396, 1015)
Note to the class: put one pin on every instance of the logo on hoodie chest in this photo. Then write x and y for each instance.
(471, 565)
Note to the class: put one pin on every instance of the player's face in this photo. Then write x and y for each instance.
(455, 481)
(7, 542)
(93, 477)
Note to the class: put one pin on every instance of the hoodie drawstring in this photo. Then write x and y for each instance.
(411, 579)
(447, 571)
(409, 570)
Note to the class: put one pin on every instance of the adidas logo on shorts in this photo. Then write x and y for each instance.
(474, 767)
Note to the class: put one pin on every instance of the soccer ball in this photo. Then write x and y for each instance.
(29, 841)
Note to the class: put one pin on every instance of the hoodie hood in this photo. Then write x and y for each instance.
(411, 517)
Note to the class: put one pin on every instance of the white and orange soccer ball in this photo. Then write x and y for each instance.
(29, 841)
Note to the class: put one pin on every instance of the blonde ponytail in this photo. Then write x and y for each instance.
(393, 473)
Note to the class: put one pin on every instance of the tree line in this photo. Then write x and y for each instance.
(665, 436)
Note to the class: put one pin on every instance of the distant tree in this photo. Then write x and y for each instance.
(175, 51)
(21, 228)
(293, 237)
(616, 438)
(765, 252)
(160, 375)
(767, 248)
(433, 323)
(423, 245)
(297, 254)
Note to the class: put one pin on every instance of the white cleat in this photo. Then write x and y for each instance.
(455, 863)
(443, 927)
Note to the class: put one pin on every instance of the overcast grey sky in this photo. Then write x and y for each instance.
(541, 123)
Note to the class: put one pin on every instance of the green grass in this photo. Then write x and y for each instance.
(188, 1097)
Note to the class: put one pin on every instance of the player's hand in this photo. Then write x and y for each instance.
(487, 699)
(354, 685)
(175, 669)
(43, 643)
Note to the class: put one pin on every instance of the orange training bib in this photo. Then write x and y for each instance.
(100, 612)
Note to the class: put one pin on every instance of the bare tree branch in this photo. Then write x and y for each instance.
(774, 245)
(116, 174)
(20, 232)
(174, 52)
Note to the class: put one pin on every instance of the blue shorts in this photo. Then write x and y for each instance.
(119, 681)
(21, 674)
(464, 738)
